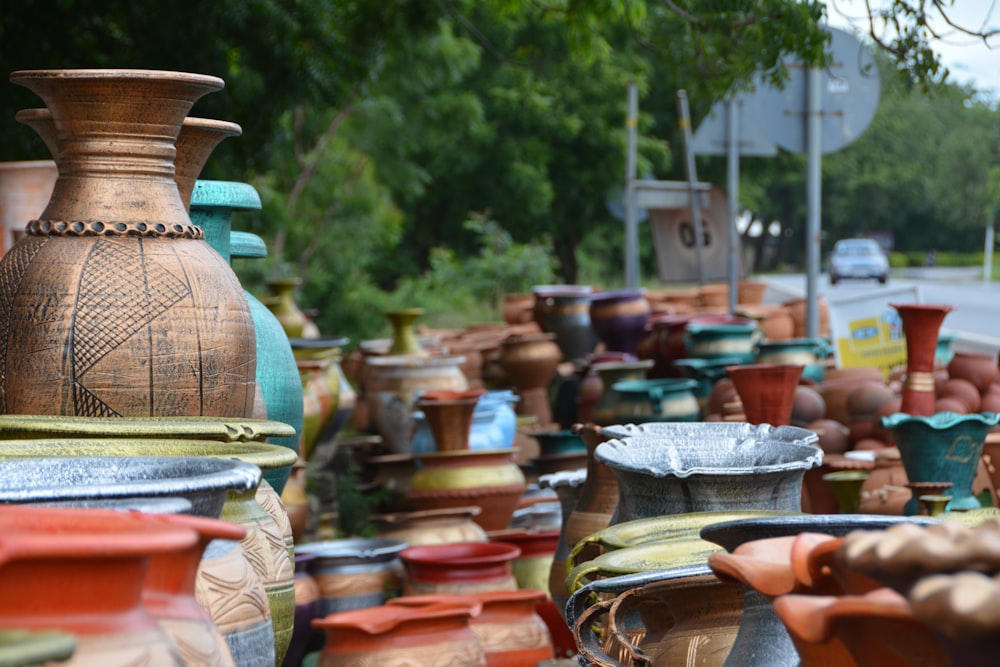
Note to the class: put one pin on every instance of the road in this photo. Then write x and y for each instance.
(975, 320)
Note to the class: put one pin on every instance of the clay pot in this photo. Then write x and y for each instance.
(486, 478)
(979, 369)
(708, 339)
(464, 568)
(529, 363)
(834, 437)
(750, 291)
(439, 526)
(404, 335)
(665, 399)
(950, 404)
(798, 309)
(568, 317)
(517, 308)
(766, 391)
(393, 384)
(567, 486)
(538, 548)
(864, 400)
(610, 373)
(354, 573)
(306, 600)
(807, 406)
(400, 636)
(508, 628)
(619, 318)
(449, 415)
(117, 212)
(82, 572)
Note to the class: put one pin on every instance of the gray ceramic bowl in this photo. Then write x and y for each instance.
(204, 482)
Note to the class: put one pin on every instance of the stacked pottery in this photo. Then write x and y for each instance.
(659, 400)
(132, 224)
(567, 486)
(610, 373)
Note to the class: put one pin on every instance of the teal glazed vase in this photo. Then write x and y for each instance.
(212, 207)
(944, 447)
(659, 400)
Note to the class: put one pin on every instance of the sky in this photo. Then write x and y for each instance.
(968, 59)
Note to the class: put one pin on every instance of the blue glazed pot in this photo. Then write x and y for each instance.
(212, 206)
(944, 447)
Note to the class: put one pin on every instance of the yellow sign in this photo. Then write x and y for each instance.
(868, 332)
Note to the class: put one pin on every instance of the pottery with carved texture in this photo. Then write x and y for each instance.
(463, 567)
(567, 485)
(436, 526)
(401, 636)
(130, 223)
(354, 573)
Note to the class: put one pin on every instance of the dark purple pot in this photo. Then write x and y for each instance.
(619, 317)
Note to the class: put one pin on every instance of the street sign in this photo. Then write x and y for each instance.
(751, 140)
(674, 239)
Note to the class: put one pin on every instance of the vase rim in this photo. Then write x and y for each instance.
(624, 293)
(239, 429)
(638, 364)
(940, 420)
(730, 534)
(206, 80)
(353, 547)
(234, 195)
(563, 478)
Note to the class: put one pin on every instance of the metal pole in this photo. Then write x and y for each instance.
(988, 253)
(814, 146)
(733, 191)
(692, 177)
(631, 225)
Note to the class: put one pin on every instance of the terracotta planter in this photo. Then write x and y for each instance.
(400, 636)
(464, 568)
(979, 369)
(487, 478)
(130, 224)
(921, 323)
(449, 414)
(766, 391)
(507, 626)
(82, 572)
(354, 573)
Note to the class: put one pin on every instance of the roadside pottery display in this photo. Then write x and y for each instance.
(766, 391)
(319, 360)
(402, 636)
(702, 466)
(169, 593)
(393, 384)
(81, 572)
(354, 573)
(846, 486)
(619, 318)
(25, 189)
(116, 213)
(507, 626)
(686, 616)
(664, 399)
(494, 424)
(212, 206)
(706, 373)
(944, 447)
(921, 324)
(487, 478)
(437, 526)
(464, 568)
(529, 363)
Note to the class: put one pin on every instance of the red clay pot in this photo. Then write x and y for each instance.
(921, 324)
(465, 568)
(82, 572)
(766, 391)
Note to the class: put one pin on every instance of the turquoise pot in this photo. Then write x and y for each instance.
(945, 447)
(667, 399)
(807, 352)
(212, 207)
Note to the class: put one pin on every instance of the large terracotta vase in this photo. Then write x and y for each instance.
(944, 447)
(82, 572)
(488, 478)
(212, 206)
(921, 324)
(766, 391)
(400, 636)
(25, 189)
(142, 317)
(529, 363)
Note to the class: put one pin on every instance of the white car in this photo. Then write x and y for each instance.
(858, 258)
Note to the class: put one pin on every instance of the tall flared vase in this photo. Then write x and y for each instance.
(921, 324)
(119, 306)
(212, 206)
(404, 335)
(766, 391)
(284, 307)
(449, 415)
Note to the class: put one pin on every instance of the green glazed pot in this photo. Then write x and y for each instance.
(219, 429)
(268, 544)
